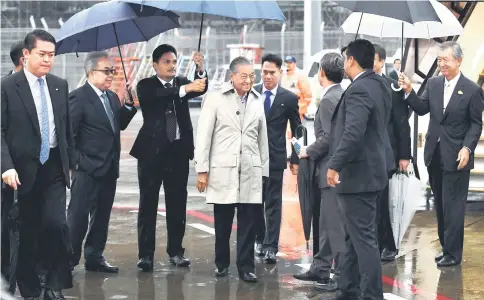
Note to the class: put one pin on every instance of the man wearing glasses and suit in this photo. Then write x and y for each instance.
(163, 148)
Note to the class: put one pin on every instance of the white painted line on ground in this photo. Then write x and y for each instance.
(281, 254)
(202, 227)
(389, 296)
(304, 266)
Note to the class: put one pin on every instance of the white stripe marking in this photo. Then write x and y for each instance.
(389, 296)
(203, 228)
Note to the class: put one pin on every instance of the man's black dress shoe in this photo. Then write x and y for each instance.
(179, 261)
(388, 255)
(439, 256)
(221, 272)
(102, 266)
(447, 261)
(248, 277)
(259, 250)
(53, 295)
(307, 276)
(326, 285)
(270, 258)
(145, 264)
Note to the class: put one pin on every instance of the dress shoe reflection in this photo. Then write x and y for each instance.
(246, 291)
(93, 286)
(222, 289)
(146, 286)
(451, 280)
(270, 283)
(174, 286)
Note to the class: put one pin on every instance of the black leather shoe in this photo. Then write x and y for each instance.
(248, 277)
(221, 272)
(145, 264)
(270, 258)
(103, 266)
(439, 256)
(259, 250)
(307, 276)
(53, 295)
(388, 255)
(447, 261)
(326, 285)
(179, 261)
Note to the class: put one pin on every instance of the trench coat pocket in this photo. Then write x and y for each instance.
(223, 169)
(256, 173)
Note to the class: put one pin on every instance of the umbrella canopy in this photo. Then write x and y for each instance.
(109, 24)
(305, 178)
(385, 27)
(407, 11)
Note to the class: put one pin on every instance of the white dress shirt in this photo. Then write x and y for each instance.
(35, 90)
(449, 87)
(273, 91)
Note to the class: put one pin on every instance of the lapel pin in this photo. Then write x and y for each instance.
(282, 104)
(460, 92)
(56, 89)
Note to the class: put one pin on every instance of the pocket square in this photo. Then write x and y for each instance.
(56, 89)
(460, 92)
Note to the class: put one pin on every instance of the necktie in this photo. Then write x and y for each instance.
(170, 119)
(44, 131)
(447, 95)
(107, 108)
(267, 102)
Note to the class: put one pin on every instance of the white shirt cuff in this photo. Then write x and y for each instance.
(202, 75)
(129, 107)
(182, 92)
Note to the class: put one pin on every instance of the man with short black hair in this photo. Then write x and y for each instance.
(36, 151)
(357, 169)
(17, 57)
(163, 148)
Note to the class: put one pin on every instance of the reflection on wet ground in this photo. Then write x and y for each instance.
(413, 275)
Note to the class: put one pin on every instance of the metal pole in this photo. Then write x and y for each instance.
(283, 35)
(307, 32)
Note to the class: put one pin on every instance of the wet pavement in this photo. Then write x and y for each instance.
(413, 275)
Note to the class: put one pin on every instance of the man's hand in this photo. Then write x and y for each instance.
(405, 83)
(10, 177)
(199, 61)
(332, 178)
(198, 86)
(463, 158)
(403, 165)
(303, 153)
(127, 98)
(294, 169)
(202, 182)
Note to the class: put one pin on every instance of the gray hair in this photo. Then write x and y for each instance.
(236, 62)
(456, 49)
(333, 66)
(92, 60)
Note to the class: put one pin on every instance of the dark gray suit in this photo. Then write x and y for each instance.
(331, 231)
(359, 139)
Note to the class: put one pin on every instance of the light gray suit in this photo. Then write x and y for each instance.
(331, 239)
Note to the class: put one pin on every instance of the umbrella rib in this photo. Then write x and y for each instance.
(136, 24)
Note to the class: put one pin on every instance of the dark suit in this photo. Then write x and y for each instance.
(283, 109)
(97, 148)
(331, 231)
(459, 126)
(399, 135)
(358, 152)
(394, 75)
(42, 193)
(160, 161)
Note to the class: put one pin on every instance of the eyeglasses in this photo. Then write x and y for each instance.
(106, 72)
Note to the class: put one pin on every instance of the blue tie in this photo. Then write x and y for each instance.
(267, 102)
(44, 131)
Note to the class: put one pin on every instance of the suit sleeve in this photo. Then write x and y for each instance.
(421, 104)
(146, 93)
(358, 108)
(125, 114)
(263, 142)
(7, 162)
(71, 149)
(475, 115)
(321, 146)
(206, 125)
(76, 112)
(401, 125)
(294, 121)
(196, 94)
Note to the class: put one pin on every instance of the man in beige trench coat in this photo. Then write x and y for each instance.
(231, 159)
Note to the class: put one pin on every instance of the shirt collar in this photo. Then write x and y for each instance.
(98, 91)
(359, 74)
(273, 91)
(326, 89)
(31, 78)
(453, 81)
(165, 82)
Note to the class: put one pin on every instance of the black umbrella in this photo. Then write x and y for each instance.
(14, 228)
(305, 178)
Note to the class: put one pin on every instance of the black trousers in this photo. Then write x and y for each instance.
(383, 222)
(90, 208)
(44, 235)
(450, 191)
(7, 202)
(268, 220)
(360, 267)
(171, 170)
(224, 216)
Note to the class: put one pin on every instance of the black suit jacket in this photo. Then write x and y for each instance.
(460, 125)
(394, 75)
(154, 99)
(21, 131)
(284, 108)
(398, 127)
(359, 135)
(97, 146)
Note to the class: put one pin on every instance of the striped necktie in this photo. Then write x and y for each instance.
(44, 122)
